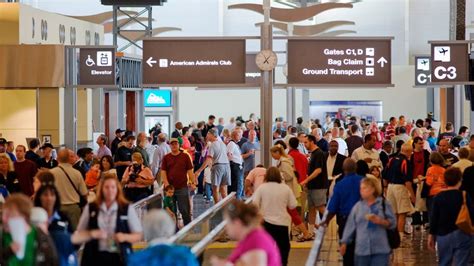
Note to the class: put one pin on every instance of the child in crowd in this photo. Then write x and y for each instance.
(207, 184)
(93, 175)
(432, 139)
(168, 201)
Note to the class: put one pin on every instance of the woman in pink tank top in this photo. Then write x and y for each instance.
(255, 246)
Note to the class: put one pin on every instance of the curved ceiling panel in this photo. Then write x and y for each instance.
(292, 15)
(336, 33)
(309, 30)
(139, 35)
(100, 18)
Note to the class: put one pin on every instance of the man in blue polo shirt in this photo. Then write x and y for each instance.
(346, 195)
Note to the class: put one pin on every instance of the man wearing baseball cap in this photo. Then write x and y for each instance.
(47, 161)
(116, 141)
(176, 170)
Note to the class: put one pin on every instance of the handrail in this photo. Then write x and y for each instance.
(318, 242)
(142, 205)
(199, 247)
(145, 201)
(205, 215)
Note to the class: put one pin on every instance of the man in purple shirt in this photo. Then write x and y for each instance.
(103, 149)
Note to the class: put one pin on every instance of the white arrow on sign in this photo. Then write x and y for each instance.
(382, 61)
(150, 61)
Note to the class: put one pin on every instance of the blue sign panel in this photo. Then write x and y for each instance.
(157, 98)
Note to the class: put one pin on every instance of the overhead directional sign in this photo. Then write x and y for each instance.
(422, 70)
(97, 67)
(186, 61)
(449, 63)
(252, 72)
(340, 61)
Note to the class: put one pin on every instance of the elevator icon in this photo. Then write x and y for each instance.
(104, 58)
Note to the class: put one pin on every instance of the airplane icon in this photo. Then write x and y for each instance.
(443, 51)
(423, 64)
(442, 54)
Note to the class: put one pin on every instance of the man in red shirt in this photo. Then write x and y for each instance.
(301, 167)
(25, 171)
(390, 130)
(177, 169)
(420, 161)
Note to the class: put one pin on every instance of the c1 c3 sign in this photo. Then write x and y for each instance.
(188, 61)
(450, 63)
(422, 70)
(340, 62)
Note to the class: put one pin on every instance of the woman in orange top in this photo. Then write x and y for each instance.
(435, 178)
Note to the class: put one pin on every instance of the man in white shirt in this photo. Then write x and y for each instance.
(236, 170)
(342, 143)
(367, 152)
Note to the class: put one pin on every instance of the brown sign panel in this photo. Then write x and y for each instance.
(449, 63)
(97, 67)
(341, 61)
(31, 66)
(193, 61)
(252, 72)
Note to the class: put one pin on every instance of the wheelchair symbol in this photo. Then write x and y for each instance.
(89, 61)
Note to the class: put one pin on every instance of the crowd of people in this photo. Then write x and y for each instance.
(402, 176)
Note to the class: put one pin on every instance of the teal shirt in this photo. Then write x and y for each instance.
(168, 202)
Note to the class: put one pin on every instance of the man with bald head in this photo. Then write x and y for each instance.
(400, 194)
(70, 185)
(162, 148)
(443, 147)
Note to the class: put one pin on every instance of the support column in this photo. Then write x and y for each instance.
(305, 104)
(140, 111)
(116, 110)
(98, 110)
(266, 90)
(70, 118)
(437, 101)
(290, 105)
(175, 101)
(458, 106)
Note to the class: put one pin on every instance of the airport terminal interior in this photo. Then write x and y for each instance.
(236, 132)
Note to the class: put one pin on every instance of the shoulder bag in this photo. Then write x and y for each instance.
(463, 222)
(82, 199)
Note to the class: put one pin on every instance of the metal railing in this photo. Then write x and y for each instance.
(150, 202)
(315, 251)
(199, 247)
(203, 220)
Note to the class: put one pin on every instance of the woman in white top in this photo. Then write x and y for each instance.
(273, 198)
(109, 226)
(286, 166)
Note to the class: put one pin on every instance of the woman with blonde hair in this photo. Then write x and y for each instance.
(109, 226)
(8, 178)
(368, 221)
(287, 170)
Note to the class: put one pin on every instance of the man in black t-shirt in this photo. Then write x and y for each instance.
(316, 182)
(47, 162)
(116, 141)
(123, 156)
